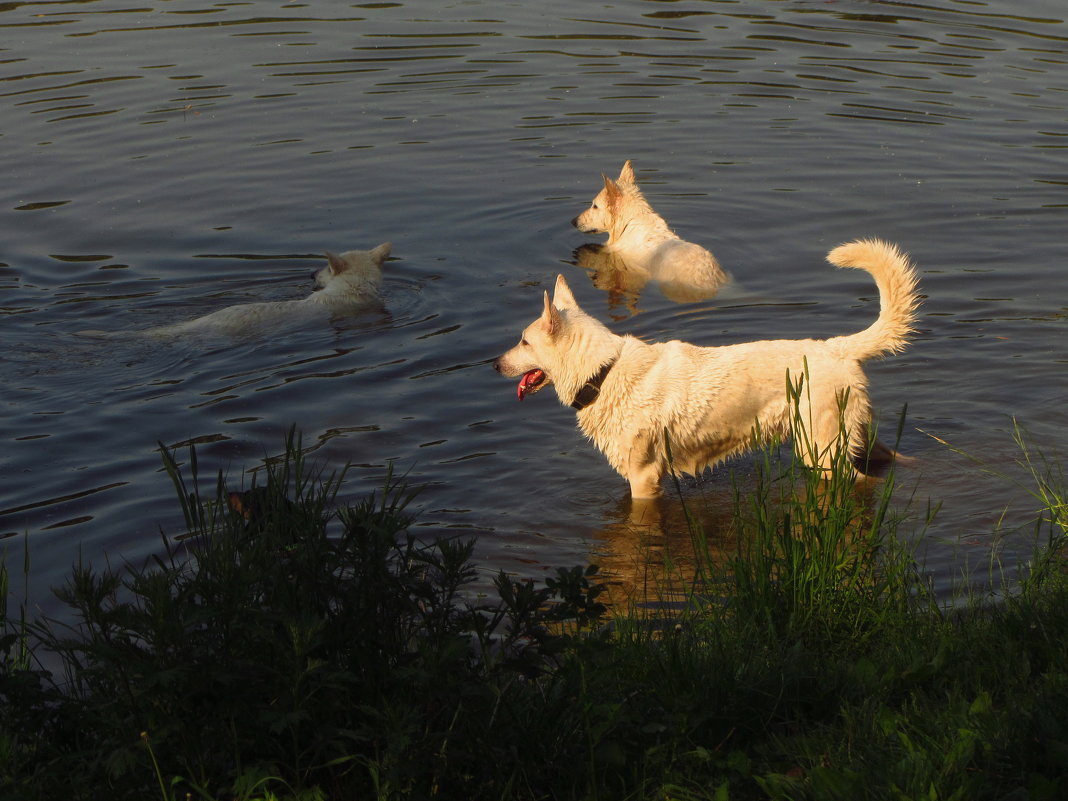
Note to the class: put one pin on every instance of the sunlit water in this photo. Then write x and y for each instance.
(165, 159)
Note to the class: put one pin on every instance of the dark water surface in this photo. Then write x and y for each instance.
(164, 159)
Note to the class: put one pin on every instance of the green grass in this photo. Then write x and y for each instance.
(320, 650)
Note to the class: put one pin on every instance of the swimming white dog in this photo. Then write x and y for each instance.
(636, 400)
(642, 248)
(348, 283)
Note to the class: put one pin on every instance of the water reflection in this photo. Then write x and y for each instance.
(650, 551)
(656, 554)
(623, 279)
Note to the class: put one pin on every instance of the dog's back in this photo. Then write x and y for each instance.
(245, 318)
(348, 283)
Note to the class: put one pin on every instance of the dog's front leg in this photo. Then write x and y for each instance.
(644, 469)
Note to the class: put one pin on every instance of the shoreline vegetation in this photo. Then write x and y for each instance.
(288, 646)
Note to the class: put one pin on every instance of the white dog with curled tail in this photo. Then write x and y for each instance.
(651, 408)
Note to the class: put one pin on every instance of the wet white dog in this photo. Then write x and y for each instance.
(347, 284)
(642, 248)
(635, 400)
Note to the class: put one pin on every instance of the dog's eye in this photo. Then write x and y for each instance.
(523, 342)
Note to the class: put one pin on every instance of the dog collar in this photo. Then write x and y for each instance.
(591, 390)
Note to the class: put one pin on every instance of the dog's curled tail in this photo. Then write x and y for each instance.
(898, 295)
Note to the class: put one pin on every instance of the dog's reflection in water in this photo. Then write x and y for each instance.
(653, 549)
(624, 279)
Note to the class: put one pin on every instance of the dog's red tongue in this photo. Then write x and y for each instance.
(529, 380)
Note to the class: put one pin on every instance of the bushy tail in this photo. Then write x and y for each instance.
(898, 295)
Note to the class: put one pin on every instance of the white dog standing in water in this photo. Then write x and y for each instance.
(635, 399)
(348, 283)
(639, 240)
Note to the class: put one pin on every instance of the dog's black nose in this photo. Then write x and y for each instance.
(574, 222)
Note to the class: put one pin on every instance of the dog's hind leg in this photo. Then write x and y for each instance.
(874, 457)
(828, 427)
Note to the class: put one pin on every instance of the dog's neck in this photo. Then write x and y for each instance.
(340, 293)
(591, 390)
(640, 221)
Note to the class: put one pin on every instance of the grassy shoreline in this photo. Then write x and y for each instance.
(302, 649)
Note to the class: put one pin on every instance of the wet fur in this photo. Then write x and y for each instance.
(641, 246)
(710, 401)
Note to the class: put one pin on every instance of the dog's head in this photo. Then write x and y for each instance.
(354, 266)
(541, 354)
(604, 209)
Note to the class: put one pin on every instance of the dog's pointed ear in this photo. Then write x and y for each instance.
(562, 295)
(626, 175)
(381, 253)
(337, 264)
(613, 192)
(550, 317)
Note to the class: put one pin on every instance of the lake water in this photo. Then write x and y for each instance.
(165, 159)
